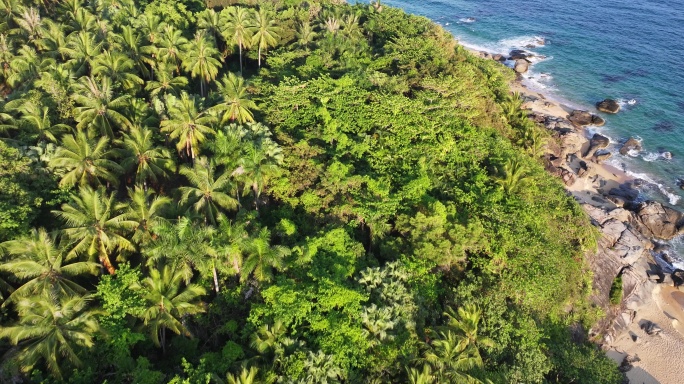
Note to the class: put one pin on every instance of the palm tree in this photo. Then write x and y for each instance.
(187, 123)
(239, 28)
(171, 46)
(211, 23)
(41, 263)
(29, 23)
(266, 339)
(85, 161)
(118, 68)
(185, 246)
(200, 60)
(53, 38)
(236, 102)
(168, 302)
(165, 82)
(262, 257)
(95, 223)
(146, 211)
(305, 35)
(452, 358)
(140, 155)
(514, 176)
(424, 376)
(98, 106)
(37, 119)
(245, 376)
(207, 192)
(82, 48)
(26, 67)
(464, 323)
(266, 33)
(258, 168)
(132, 46)
(51, 331)
(229, 242)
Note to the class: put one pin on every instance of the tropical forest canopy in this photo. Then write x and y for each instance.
(276, 192)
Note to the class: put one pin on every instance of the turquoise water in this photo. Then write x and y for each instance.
(622, 49)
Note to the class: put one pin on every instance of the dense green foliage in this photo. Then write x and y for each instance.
(284, 192)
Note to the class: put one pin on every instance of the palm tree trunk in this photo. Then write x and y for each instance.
(202, 87)
(216, 284)
(240, 47)
(260, 56)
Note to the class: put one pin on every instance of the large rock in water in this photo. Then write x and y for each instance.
(521, 66)
(608, 106)
(655, 220)
(583, 118)
(631, 144)
(597, 142)
(519, 54)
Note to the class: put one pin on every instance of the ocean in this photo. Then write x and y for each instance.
(627, 50)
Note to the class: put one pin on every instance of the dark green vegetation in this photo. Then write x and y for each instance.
(289, 192)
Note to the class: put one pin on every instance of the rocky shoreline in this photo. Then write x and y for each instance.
(630, 243)
(645, 332)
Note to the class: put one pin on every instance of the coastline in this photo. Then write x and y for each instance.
(608, 196)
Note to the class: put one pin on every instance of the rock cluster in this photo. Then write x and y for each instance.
(584, 118)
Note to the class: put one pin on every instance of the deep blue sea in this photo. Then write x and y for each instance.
(623, 49)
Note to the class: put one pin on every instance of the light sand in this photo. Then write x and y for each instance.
(662, 355)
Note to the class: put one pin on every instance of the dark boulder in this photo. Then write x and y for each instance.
(629, 145)
(602, 156)
(498, 57)
(582, 118)
(678, 277)
(519, 54)
(608, 106)
(597, 142)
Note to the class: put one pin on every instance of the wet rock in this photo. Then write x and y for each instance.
(498, 57)
(601, 157)
(625, 191)
(666, 155)
(519, 54)
(656, 220)
(597, 142)
(650, 328)
(521, 66)
(629, 145)
(677, 277)
(608, 106)
(583, 118)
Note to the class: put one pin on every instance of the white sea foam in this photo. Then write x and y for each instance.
(467, 20)
(633, 153)
(651, 156)
(671, 197)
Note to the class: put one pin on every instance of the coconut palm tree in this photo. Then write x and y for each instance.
(131, 44)
(513, 176)
(168, 302)
(208, 192)
(165, 82)
(262, 257)
(464, 323)
(452, 359)
(229, 242)
(29, 23)
(95, 223)
(140, 155)
(423, 376)
(258, 168)
(185, 246)
(211, 23)
(51, 331)
(245, 377)
(171, 47)
(305, 35)
(146, 210)
(236, 103)
(119, 69)
(36, 119)
(85, 161)
(26, 67)
(98, 107)
(187, 123)
(41, 264)
(53, 38)
(82, 48)
(239, 28)
(266, 31)
(200, 60)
